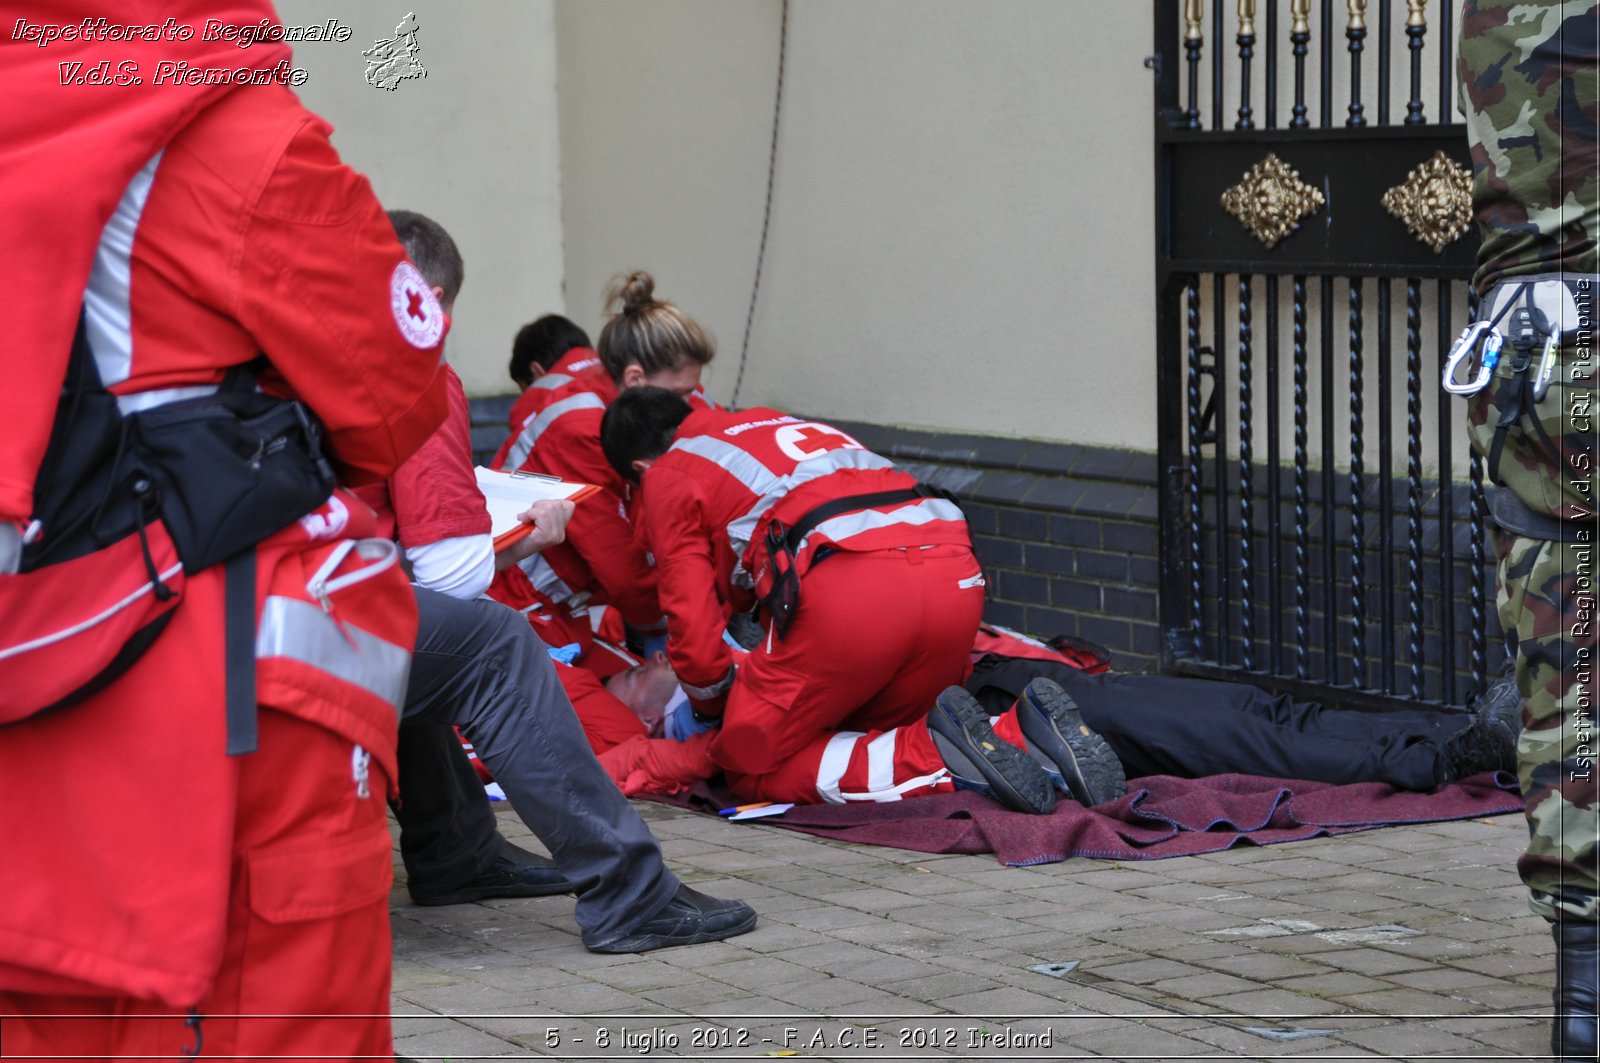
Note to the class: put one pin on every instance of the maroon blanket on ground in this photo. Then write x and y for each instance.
(1161, 816)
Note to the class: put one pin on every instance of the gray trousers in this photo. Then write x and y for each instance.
(479, 666)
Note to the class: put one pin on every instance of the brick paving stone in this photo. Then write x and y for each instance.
(694, 995)
(1333, 984)
(1091, 915)
(1144, 972)
(874, 900)
(828, 917)
(938, 986)
(1261, 967)
(837, 995)
(1296, 944)
(1503, 964)
(1272, 1003)
(1202, 985)
(1414, 1038)
(1371, 961)
(1187, 950)
(1396, 1002)
(1445, 980)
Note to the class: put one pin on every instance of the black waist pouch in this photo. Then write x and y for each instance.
(230, 469)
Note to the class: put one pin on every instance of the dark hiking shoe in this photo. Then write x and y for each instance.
(516, 873)
(1489, 743)
(981, 760)
(689, 918)
(1084, 765)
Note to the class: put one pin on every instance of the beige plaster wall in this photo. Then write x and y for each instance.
(962, 227)
(473, 145)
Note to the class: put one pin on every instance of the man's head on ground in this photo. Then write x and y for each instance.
(433, 252)
(638, 427)
(647, 689)
(648, 342)
(540, 344)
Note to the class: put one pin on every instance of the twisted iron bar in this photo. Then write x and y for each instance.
(1414, 483)
(1358, 491)
(1478, 651)
(1478, 510)
(1246, 482)
(1196, 589)
(1302, 609)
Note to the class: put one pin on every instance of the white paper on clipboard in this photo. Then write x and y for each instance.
(508, 494)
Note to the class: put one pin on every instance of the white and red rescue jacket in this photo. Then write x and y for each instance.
(600, 561)
(707, 502)
(536, 396)
(244, 234)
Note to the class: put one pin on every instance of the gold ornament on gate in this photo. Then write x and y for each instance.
(1270, 200)
(1435, 201)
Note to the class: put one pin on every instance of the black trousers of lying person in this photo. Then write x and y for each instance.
(1167, 725)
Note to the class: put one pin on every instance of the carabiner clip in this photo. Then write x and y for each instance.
(1547, 368)
(1463, 350)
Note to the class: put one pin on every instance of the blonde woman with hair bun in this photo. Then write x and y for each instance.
(646, 341)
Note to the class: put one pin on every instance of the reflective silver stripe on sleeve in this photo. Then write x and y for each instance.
(300, 631)
(740, 530)
(845, 525)
(551, 381)
(107, 312)
(544, 579)
(535, 428)
(702, 693)
(768, 486)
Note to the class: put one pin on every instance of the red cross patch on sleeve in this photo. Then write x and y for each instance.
(416, 309)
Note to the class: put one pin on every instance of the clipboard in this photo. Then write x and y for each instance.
(509, 493)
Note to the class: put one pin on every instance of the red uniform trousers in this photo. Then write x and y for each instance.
(878, 635)
(307, 926)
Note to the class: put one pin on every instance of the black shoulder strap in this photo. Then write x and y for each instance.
(798, 531)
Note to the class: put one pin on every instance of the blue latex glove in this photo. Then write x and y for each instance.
(654, 644)
(567, 654)
(680, 724)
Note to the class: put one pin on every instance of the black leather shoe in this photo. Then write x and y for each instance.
(1080, 762)
(688, 919)
(1577, 975)
(982, 761)
(1490, 742)
(516, 873)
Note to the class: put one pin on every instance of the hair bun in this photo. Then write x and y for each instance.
(633, 293)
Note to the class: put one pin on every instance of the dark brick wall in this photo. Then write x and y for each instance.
(1066, 533)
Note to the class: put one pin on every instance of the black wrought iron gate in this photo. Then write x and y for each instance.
(1312, 248)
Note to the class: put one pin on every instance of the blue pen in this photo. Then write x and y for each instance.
(736, 809)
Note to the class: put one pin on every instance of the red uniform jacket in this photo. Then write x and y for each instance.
(600, 555)
(245, 235)
(707, 502)
(536, 396)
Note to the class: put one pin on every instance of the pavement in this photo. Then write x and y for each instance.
(1398, 943)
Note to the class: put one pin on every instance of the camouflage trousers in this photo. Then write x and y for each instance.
(1547, 593)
